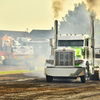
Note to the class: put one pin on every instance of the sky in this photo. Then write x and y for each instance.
(18, 15)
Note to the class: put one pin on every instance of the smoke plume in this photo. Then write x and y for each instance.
(57, 6)
(61, 7)
(93, 5)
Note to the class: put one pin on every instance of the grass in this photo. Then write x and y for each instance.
(14, 72)
(18, 71)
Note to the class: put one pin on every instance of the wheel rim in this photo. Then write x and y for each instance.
(86, 73)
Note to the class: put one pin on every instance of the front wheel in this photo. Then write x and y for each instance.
(49, 78)
(6, 61)
(86, 76)
(13, 61)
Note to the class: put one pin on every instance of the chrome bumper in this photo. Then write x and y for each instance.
(64, 72)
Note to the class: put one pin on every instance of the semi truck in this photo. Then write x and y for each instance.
(72, 56)
(15, 54)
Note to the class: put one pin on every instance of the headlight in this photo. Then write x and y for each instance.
(78, 61)
(50, 61)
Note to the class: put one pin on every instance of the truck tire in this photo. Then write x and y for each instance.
(86, 75)
(88, 70)
(95, 76)
(49, 78)
(13, 61)
(6, 61)
(83, 79)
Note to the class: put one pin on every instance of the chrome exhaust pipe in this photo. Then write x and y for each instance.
(56, 33)
(92, 16)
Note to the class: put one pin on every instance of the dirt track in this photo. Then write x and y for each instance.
(21, 87)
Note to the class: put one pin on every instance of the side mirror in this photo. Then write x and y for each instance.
(50, 42)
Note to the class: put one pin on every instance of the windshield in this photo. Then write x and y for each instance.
(70, 43)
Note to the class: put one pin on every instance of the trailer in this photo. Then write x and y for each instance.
(23, 54)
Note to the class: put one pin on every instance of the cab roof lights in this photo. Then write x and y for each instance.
(71, 34)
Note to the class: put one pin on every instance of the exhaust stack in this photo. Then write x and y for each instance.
(56, 33)
(92, 16)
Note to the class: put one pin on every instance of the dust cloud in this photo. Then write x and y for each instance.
(41, 53)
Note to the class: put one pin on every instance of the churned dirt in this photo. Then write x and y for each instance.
(22, 87)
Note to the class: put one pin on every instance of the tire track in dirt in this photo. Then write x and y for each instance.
(20, 87)
(41, 92)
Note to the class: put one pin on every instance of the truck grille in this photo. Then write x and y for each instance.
(64, 58)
